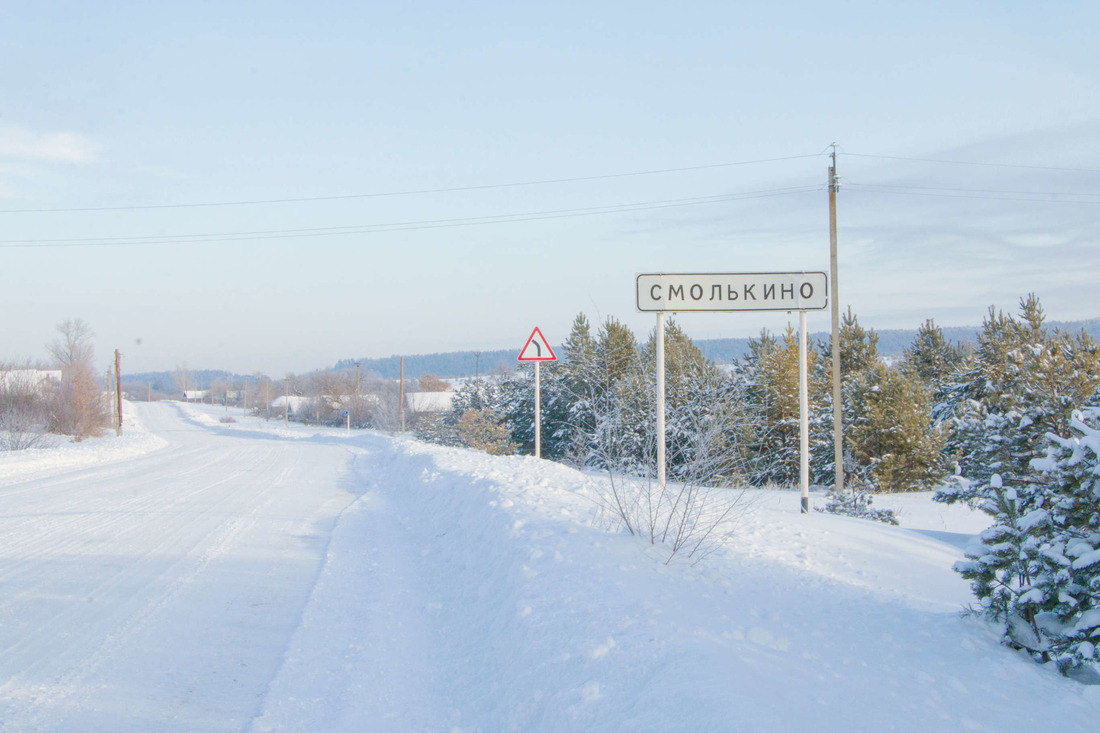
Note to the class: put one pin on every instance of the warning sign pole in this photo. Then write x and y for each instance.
(538, 413)
(537, 350)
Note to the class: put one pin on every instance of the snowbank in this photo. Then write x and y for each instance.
(65, 455)
(469, 593)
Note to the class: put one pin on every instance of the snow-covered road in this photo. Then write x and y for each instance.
(199, 576)
(159, 592)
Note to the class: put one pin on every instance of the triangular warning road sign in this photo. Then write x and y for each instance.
(537, 348)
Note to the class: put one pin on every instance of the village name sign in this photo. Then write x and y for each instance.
(735, 291)
(741, 291)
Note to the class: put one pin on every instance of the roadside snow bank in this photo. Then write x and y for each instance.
(464, 592)
(66, 455)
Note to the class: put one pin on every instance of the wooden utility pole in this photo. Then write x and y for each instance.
(401, 394)
(111, 394)
(118, 391)
(838, 405)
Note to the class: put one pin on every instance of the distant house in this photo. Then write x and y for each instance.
(437, 402)
(294, 402)
(196, 395)
(29, 380)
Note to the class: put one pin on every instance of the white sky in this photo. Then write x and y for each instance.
(109, 105)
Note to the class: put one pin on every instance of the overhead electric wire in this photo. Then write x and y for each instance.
(1019, 196)
(409, 192)
(972, 162)
(901, 187)
(401, 226)
(262, 234)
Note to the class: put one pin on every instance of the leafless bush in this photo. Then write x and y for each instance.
(386, 410)
(78, 407)
(690, 515)
(24, 416)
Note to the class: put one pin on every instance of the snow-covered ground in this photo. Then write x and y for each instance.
(196, 575)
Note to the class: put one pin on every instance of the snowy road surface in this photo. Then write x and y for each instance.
(247, 577)
(158, 593)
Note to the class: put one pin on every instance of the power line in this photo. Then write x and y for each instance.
(410, 192)
(1023, 197)
(402, 226)
(971, 162)
(901, 188)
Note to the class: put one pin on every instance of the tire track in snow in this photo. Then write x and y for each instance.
(131, 550)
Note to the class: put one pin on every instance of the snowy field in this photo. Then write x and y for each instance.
(201, 576)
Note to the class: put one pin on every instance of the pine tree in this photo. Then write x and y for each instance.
(934, 360)
(894, 437)
(700, 413)
(1068, 576)
(1030, 570)
(619, 440)
(580, 383)
(858, 346)
(860, 374)
(772, 395)
(1025, 383)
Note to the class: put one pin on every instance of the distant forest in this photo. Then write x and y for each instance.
(891, 343)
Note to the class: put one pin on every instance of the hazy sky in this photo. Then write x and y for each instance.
(276, 186)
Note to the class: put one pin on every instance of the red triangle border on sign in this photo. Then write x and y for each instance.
(546, 343)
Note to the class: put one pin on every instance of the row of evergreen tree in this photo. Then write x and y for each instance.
(907, 425)
(598, 407)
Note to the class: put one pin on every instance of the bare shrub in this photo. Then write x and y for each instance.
(24, 414)
(78, 407)
(691, 515)
(432, 383)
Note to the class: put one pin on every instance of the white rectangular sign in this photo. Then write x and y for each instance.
(732, 291)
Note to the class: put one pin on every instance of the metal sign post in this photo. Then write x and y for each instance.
(727, 292)
(538, 350)
(661, 460)
(803, 415)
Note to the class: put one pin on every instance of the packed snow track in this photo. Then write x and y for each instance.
(158, 593)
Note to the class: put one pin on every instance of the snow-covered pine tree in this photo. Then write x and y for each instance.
(765, 384)
(579, 384)
(476, 420)
(935, 361)
(515, 408)
(1067, 583)
(617, 444)
(1025, 385)
(771, 373)
(860, 375)
(894, 437)
(704, 425)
